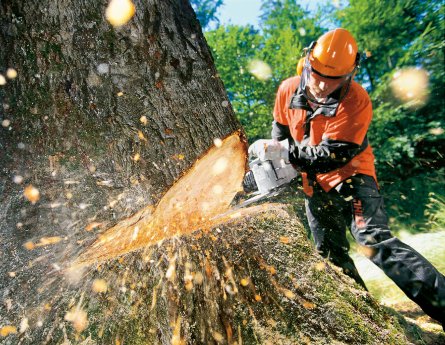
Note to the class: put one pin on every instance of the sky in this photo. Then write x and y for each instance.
(242, 12)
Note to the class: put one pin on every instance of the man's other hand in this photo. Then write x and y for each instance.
(269, 149)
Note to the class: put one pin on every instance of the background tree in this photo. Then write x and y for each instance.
(206, 11)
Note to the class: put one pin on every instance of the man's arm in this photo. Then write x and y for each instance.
(280, 132)
(280, 124)
(328, 155)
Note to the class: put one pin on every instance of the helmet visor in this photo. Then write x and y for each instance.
(320, 89)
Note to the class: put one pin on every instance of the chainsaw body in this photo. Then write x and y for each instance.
(271, 174)
(266, 176)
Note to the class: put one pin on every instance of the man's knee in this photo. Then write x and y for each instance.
(370, 236)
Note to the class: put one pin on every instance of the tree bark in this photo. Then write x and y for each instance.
(102, 122)
(65, 107)
(74, 136)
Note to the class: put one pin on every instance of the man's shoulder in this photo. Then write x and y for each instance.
(357, 91)
(290, 83)
(357, 98)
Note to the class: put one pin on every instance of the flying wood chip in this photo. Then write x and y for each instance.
(78, 319)
(119, 12)
(99, 286)
(32, 194)
(180, 210)
(7, 330)
(44, 241)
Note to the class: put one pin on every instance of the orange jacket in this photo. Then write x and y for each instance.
(350, 124)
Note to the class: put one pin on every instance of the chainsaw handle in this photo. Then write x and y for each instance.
(269, 149)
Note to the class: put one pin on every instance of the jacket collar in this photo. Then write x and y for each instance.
(299, 101)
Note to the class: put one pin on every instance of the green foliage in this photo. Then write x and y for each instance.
(408, 141)
(436, 210)
(206, 11)
(416, 204)
(233, 47)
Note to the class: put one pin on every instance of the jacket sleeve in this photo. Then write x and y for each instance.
(328, 155)
(281, 104)
(280, 125)
(280, 132)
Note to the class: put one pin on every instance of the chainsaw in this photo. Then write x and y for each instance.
(270, 172)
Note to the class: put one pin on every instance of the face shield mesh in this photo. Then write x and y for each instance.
(334, 97)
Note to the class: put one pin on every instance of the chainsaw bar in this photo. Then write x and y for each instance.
(260, 197)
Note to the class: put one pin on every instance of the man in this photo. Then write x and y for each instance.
(325, 115)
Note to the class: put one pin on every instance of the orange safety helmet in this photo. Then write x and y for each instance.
(335, 54)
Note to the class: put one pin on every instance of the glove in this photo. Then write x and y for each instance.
(270, 149)
(294, 154)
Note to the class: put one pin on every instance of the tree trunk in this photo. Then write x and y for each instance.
(101, 122)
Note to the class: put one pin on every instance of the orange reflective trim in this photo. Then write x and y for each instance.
(307, 188)
(358, 213)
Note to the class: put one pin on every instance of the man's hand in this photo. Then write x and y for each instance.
(269, 149)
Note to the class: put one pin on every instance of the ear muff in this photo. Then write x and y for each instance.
(305, 54)
(300, 66)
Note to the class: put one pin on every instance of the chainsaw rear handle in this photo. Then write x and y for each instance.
(249, 184)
